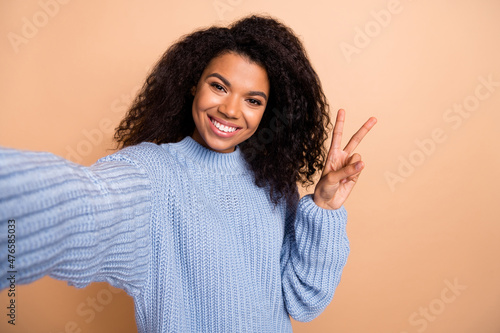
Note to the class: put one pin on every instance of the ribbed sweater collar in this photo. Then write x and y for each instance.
(226, 163)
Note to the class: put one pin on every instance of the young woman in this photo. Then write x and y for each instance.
(198, 216)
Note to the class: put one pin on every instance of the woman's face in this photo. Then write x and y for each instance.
(229, 102)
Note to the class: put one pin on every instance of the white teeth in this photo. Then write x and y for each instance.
(223, 128)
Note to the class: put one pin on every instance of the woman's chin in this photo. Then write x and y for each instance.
(221, 148)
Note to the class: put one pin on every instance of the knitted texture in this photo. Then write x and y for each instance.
(181, 228)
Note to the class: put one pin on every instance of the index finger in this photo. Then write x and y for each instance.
(337, 130)
(359, 135)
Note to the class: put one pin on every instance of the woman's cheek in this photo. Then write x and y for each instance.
(211, 100)
(257, 118)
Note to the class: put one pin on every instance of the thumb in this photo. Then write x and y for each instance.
(345, 172)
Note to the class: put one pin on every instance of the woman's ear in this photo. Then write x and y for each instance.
(193, 90)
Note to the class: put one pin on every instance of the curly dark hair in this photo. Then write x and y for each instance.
(288, 145)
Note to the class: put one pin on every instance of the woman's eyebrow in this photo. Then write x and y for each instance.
(222, 78)
(258, 93)
(226, 82)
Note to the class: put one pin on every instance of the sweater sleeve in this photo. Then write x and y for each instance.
(73, 223)
(315, 250)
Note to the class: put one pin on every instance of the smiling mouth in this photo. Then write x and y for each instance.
(221, 127)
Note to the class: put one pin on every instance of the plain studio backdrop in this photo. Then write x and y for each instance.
(423, 218)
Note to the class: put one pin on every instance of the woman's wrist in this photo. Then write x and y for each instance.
(322, 204)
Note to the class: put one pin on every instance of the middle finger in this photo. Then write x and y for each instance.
(359, 135)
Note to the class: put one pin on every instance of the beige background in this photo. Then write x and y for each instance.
(423, 215)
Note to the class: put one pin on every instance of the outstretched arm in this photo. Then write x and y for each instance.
(74, 223)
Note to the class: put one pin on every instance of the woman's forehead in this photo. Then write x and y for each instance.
(237, 69)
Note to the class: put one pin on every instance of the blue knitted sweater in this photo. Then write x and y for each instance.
(181, 228)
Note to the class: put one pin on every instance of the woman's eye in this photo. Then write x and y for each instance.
(254, 101)
(217, 86)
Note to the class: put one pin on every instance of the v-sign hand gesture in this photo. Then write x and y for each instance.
(341, 168)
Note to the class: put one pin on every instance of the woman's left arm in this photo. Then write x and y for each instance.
(314, 252)
(316, 246)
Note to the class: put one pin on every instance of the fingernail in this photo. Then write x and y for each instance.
(359, 165)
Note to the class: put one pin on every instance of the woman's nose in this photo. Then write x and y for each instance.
(230, 108)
